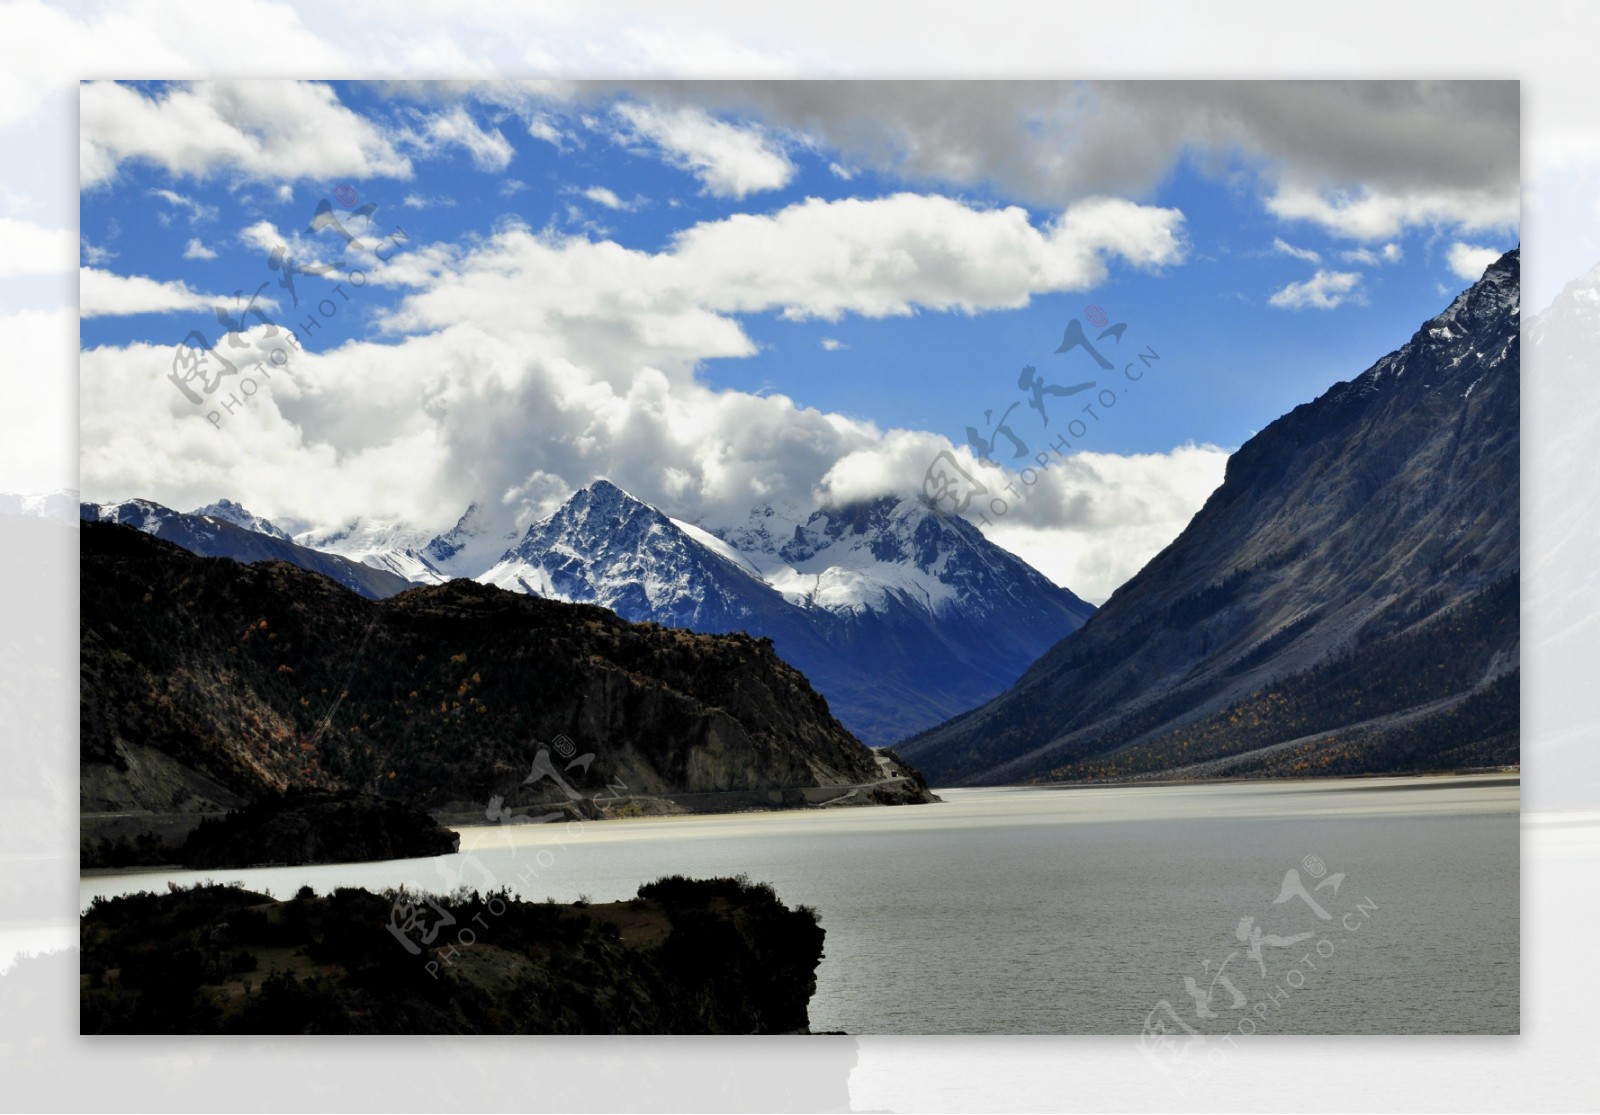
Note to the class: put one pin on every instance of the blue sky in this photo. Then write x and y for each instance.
(1259, 266)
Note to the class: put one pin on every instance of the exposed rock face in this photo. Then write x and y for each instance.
(206, 682)
(1347, 596)
(717, 956)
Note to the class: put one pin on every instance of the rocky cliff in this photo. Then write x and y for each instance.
(206, 683)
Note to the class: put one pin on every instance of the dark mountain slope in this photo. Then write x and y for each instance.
(1359, 560)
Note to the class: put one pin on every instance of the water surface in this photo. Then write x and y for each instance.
(1076, 910)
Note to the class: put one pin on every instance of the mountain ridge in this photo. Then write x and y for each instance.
(1362, 515)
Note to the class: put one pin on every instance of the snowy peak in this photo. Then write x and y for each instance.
(471, 546)
(1451, 346)
(605, 547)
(877, 554)
(230, 512)
(386, 544)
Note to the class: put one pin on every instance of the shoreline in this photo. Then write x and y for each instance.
(1508, 774)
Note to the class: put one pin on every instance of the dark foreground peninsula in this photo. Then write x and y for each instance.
(717, 956)
(294, 828)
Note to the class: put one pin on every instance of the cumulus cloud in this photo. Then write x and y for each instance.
(30, 249)
(104, 293)
(833, 344)
(1094, 519)
(194, 249)
(351, 418)
(729, 160)
(596, 347)
(262, 130)
(609, 307)
(1469, 261)
(1326, 290)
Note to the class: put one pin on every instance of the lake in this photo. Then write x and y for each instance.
(1374, 906)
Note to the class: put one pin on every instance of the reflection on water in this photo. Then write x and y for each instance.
(1078, 910)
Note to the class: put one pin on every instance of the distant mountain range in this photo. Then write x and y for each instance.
(900, 616)
(217, 531)
(1346, 601)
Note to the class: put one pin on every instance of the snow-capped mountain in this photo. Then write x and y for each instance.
(605, 547)
(211, 536)
(387, 544)
(896, 613)
(469, 547)
(900, 616)
(230, 512)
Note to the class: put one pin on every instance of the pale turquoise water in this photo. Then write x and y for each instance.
(1077, 910)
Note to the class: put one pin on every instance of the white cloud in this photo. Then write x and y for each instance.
(1373, 214)
(271, 131)
(833, 344)
(1390, 253)
(489, 150)
(1469, 261)
(30, 249)
(841, 172)
(1089, 521)
(198, 211)
(103, 293)
(600, 195)
(1093, 520)
(284, 194)
(194, 249)
(1357, 156)
(542, 127)
(729, 160)
(96, 254)
(1282, 247)
(424, 201)
(597, 347)
(512, 186)
(815, 259)
(1326, 290)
